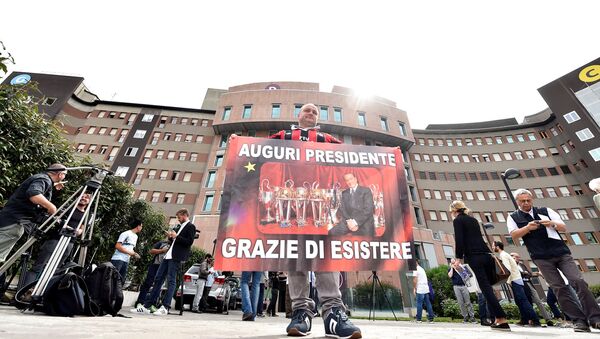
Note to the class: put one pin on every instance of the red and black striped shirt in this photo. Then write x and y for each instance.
(305, 135)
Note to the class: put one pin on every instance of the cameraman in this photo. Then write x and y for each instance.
(22, 205)
(72, 229)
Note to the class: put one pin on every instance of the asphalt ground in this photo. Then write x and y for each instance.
(14, 324)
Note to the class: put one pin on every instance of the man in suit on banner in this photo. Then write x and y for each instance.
(357, 210)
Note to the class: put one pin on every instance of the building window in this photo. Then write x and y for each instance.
(427, 194)
(171, 155)
(208, 201)
(538, 193)
(491, 195)
(194, 157)
(489, 141)
(163, 121)
(204, 123)
(542, 153)
(276, 111)
(167, 198)
(591, 212)
(577, 189)
(447, 195)
(591, 237)
(178, 136)
(182, 156)
(223, 142)
(531, 136)
(180, 198)
(571, 117)
(139, 134)
(131, 119)
(121, 171)
(247, 112)
(591, 265)
(218, 160)
(443, 216)
(553, 150)
(362, 120)
(187, 176)
(151, 174)
(188, 138)
(155, 196)
(509, 139)
(520, 138)
(131, 151)
(92, 149)
(384, 124)
(584, 134)
(80, 148)
(337, 114)
(563, 214)
(91, 130)
(297, 108)
(418, 215)
(174, 120)
(195, 122)
(184, 121)
(143, 195)
(518, 155)
(458, 142)
(113, 153)
(139, 174)
(147, 117)
(469, 195)
(210, 179)
(103, 149)
(564, 191)
(199, 139)
(503, 195)
(324, 113)
(163, 174)
(433, 216)
(160, 154)
(507, 156)
(577, 213)
(551, 192)
(500, 217)
(102, 131)
(595, 153)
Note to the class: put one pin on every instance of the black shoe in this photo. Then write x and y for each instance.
(337, 325)
(248, 317)
(500, 327)
(300, 325)
(594, 324)
(486, 323)
(580, 326)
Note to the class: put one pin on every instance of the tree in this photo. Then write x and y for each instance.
(442, 286)
(28, 142)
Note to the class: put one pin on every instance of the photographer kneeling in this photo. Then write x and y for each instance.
(22, 205)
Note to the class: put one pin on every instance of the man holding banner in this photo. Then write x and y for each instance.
(283, 206)
(330, 296)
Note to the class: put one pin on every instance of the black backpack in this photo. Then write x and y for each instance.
(66, 295)
(105, 290)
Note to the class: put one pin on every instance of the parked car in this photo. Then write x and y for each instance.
(218, 298)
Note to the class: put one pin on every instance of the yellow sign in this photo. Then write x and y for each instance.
(590, 73)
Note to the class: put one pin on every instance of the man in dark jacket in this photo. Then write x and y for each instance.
(357, 210)
(183, 238)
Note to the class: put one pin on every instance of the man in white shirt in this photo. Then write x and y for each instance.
(421, 290)
(124, 248)
(539, 227)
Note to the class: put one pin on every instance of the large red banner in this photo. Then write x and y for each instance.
(300, 206)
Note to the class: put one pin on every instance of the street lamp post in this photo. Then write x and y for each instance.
(509, 174)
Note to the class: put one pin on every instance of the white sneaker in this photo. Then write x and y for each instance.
(140, 309)
(161, 311)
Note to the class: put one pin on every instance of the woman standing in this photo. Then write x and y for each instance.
(471, 247)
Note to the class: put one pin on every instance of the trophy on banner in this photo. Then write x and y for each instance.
(333, 201)
(284, 197)
(266, 197)
(316, 202)
(378, 214)
(301, 198)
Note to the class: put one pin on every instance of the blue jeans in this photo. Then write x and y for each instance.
(250, 301)
(150, 275)
(167, 269)
(483, 311)
(121, 266)
(424, 297)
(525, 308)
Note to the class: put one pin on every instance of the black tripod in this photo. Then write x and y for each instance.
(60, 218)
(375, 278)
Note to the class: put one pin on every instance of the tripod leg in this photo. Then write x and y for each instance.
(372, 308)
(386, 297)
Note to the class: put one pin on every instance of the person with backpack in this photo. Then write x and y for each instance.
(124, 248)
(159, 250)
(183, 238)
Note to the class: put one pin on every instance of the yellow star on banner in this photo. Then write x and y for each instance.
(250, 167)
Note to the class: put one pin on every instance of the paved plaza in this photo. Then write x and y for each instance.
(14, 324)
